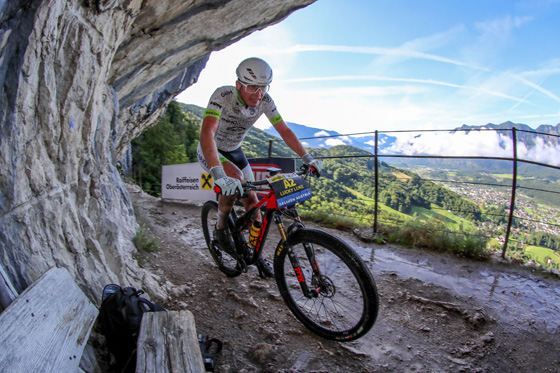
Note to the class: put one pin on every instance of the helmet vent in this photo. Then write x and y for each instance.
(250, 71)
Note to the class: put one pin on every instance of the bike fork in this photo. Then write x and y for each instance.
(310, 252)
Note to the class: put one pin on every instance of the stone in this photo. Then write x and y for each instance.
(79, 81)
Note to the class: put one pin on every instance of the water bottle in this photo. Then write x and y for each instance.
(254, 233)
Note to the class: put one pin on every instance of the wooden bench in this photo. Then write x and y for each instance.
(46, 328)
(168, 343)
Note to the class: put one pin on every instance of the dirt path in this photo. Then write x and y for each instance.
(423, 326)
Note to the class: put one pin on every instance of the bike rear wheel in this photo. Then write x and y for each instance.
(345, 302)
(225, 261)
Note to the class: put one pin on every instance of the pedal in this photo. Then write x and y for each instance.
(265, 269)
(217, 247)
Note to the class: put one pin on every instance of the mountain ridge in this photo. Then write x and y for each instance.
(317, 137)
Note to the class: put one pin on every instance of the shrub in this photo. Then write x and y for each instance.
(145, 241)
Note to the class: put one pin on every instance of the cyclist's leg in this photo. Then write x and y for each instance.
(225, 203)
(243, 172)
(251, 200)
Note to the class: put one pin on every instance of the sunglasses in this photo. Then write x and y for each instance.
(252, 89)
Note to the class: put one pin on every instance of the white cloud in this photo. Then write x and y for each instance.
(334, 141)
(474, 143)
(402, 52)
(321, 133)
(542, 152)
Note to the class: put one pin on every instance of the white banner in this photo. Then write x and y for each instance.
(186, 181)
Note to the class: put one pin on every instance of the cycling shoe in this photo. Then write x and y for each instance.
(224, 240)
(265, 269)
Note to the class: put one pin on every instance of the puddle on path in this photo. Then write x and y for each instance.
(515, 297)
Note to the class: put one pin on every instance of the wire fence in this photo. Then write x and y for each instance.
(513, 189)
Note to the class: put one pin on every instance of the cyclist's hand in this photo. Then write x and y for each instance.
(314, 164)
(224, 184)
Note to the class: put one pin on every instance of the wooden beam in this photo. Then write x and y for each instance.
(7, 291)
(168, 343)
(46, 328)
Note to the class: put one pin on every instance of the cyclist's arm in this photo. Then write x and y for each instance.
(207, 142)
(290, 138)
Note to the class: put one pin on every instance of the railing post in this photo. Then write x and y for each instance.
(270, 149)
(513, 188)
(376, 190)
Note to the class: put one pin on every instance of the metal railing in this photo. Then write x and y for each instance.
(514, 159)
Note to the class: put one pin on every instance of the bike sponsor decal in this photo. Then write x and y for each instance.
(289, 189)
(276, 178)
(299, 274)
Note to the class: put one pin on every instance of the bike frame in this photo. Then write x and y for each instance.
(273, 213)
(239, 223)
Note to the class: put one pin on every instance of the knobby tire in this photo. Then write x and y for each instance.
(347, 304)
(225, 262)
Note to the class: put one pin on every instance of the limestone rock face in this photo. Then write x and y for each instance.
(79, 80)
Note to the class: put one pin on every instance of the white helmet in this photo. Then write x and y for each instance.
(254, 71)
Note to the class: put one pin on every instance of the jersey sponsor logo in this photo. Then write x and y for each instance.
(234, 122)
(214, 103)
(212, 113)
(236, 129)
(224, 94)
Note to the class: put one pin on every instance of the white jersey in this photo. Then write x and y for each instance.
(235, 117)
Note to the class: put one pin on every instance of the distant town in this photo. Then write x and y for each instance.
(530, 217)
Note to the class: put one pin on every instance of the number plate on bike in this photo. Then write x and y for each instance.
(289, 189)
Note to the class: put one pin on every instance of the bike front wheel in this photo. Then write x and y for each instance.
(225, 261)
(342, 303)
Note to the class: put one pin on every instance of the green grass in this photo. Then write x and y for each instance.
(343, 223)
(427, 230)
(145, 242)
(541, 254)
(451, 221)
(510, 176)
(434, 236)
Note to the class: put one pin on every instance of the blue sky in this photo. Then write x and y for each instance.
(364, 65)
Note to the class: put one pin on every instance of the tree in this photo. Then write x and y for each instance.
(172, 141)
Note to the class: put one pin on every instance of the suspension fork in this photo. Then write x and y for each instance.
(310, 252)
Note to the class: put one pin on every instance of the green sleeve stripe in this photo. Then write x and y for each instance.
(212, 113)
(276, 119)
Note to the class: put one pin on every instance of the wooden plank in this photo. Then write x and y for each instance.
(168, 343)
(7, 291)
(46, 328)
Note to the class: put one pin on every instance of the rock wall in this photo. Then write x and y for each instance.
(79, 80)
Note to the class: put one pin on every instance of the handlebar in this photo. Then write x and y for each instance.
(305, 170)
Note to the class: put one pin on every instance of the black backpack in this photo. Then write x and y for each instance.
(120, 316)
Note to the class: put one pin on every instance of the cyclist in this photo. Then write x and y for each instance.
(231, 112)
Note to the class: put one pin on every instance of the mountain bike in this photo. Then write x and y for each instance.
(323, 281)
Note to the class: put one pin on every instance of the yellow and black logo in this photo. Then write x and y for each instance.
(206, 181)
